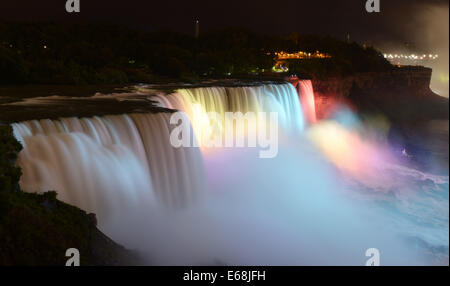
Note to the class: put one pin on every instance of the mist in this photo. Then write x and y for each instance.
(423, 28)
(303, 207)
(334, 190)
(435, 33)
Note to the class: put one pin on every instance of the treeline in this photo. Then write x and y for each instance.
(9, 148)
(346, 58)
(46, 53)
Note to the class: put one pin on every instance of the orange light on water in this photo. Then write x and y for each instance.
(347, 150)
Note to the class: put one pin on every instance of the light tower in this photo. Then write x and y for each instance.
(197, 28)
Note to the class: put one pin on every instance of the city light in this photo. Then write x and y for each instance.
(282, 64)
(301, 55)
(423, 57)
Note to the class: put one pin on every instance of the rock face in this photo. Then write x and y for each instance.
(417, 117)
(403, 94)
(37, 229)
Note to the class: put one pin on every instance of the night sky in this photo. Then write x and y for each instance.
(400, 21)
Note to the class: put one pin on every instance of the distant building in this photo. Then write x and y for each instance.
(197, 28)
(282, 59)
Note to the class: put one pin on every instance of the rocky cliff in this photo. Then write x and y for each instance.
(417, 117)
(403, 94)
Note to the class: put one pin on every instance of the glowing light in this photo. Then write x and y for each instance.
(301, 55)
(306, 94)
(407, 58)
(347, 150)
(279, 67)
(200, 103)
(444, 77)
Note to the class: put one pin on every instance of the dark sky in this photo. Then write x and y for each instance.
(398, 21)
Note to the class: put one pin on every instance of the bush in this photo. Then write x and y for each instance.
(12, 68)
(9, 148)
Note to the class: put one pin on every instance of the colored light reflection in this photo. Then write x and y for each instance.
(347, 150)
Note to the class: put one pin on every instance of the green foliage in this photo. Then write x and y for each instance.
(85, 54)
(12, 67)
(346, 58)
(37, 229)
(34, 229)
(111, 75)
(9, 147)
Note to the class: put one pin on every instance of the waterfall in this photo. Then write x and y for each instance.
(130, 155)
(307, 205)
(306, 93)
(279, 98)
(101, 163)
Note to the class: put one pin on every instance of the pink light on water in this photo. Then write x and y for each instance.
(306, 94)
(350, 152)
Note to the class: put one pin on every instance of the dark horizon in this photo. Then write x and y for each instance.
(399, 23)
(401, 27)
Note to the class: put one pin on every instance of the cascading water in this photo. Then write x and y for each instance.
(292, 209)
(279, 98)
(306, 93)
(102, 163)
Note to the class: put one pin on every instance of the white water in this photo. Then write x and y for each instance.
(280, 98)
(306, 93)
(295, 209)
(102, 163)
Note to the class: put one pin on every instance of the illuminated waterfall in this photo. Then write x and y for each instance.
(87, 159)
(279, 98)
(100, 163)
(306, 93)
(329, 191)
